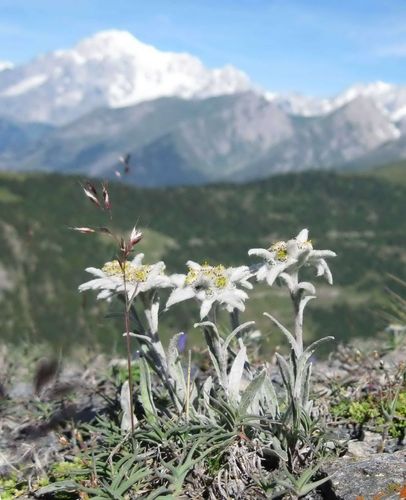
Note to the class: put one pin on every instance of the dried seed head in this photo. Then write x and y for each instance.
(123, 248)
(84, 230)
(125, 160)
(135, 237)
(106, 198)
(91, 193)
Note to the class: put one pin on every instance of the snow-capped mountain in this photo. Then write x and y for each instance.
(109, 69)
(390, 99)
(78, 110)
(114, 69)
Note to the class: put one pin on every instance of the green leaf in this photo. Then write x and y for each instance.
(146, 391)
(270, 396)
(173, 353)
(277, 448)
(67, 485)
(251, 391)
(236, 373)
(286, 373)
(303, 360)
(308, 488)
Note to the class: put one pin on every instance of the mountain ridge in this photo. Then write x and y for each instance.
(238, 137)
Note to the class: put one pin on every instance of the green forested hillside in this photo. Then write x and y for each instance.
(42, 262)
(393, 172)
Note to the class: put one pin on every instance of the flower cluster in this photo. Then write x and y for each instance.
(285, 258)
(131, 277)
(210, 284)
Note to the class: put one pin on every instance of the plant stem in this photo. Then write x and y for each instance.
(188, 384)
(298, 320)
(127, 331)
(235, 320)
(296, 295)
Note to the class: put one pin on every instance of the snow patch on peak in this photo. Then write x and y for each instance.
(388, 98)
(122, 37)
(399, 114)
(23, 86)
(374, 90)
(298, 104)
(113, 43)
(6, 65)
(369, 89)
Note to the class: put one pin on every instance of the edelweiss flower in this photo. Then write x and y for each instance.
(138, 278)
(286, 257)
(210, 284)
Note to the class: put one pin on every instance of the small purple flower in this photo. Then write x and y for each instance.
(182, 340)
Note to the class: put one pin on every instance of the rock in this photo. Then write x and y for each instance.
(381, 476)
(362, 449)
(21, 390)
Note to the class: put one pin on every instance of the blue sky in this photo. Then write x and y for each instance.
(317, 47)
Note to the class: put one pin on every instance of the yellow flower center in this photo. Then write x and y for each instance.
(114, 268)
(131, 272)
(220, 281)
(140, 273)
(280, 250)
(212, 275)
(191, 276)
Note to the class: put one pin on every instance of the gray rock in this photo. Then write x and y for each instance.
(381, 474)
(21, 390)
(362, 449)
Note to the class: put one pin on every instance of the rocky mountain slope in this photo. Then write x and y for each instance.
(177, 141)
(78, 110)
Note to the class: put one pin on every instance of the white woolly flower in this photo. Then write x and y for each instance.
(132, 277)
(284, 258)
(210, 284)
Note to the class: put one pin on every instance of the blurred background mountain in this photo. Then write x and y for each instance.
(78, 110)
